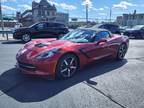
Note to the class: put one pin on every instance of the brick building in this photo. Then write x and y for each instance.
(42, 11)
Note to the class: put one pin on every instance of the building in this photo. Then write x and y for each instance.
(131, 19)
(42, 11)
(119, 20)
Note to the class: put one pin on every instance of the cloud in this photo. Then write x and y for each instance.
(25, 6)
(124, 5)
(8, 0)
(61, 5)
(102, 14)
(106, 7)
(4, 7)
(67, 7)
(89, 3)
(98, 9)
(64, 5)
(91, 7)
(55, 3)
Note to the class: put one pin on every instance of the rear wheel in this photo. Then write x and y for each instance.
(67, 66)
(142, 36)
(121, 51)
(26, 38)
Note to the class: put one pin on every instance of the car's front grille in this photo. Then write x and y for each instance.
(26, 66)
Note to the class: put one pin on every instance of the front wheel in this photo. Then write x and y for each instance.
(60, 36)
(26, 38)
(121, 51)
(67, 66)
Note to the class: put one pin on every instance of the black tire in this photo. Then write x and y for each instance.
(67, 66)
(142, 36)
(121, 51)
(60, 36)
(26, 38)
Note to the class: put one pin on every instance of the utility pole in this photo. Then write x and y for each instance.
(1, 17)
(87, 6)
(110, 14)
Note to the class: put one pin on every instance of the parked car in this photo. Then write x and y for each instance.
(63, 57)
(40, 30)
(135, 32)
(115, 29)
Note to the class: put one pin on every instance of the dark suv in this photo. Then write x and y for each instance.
(40, 30)
(115, 29)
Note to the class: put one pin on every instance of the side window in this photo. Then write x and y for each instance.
(51, 25)
(59, 25)
(102, 35)
(41, 26)
(103, 26)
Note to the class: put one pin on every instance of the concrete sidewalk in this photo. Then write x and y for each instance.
(10, 37)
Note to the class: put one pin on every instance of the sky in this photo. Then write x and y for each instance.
(99, 9)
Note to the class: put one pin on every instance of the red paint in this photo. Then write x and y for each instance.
(86, 52)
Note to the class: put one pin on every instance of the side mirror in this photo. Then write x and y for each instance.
(102, 41)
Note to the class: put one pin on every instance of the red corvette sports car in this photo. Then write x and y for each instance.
(63, 57)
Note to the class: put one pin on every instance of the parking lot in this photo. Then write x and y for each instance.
(105, 84)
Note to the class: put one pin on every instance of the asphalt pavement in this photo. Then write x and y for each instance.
(105, 84)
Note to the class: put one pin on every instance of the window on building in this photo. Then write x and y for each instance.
(39, 12)
(48, 13)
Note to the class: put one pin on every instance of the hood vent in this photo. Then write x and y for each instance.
(42, 44)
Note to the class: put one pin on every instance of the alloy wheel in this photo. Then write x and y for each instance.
(122, 51)
(67, 66)
(26, 38)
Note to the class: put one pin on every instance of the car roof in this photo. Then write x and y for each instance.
(53, 22)
(107, 24)
(95, 29)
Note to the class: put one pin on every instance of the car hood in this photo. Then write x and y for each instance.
(37, 47)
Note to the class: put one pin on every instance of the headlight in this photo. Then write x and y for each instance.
(47, 54)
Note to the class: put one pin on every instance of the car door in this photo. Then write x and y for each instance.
(58, 30)
(51, 30)
(39, 30)
(102, 40)
(61, 29)
(99, 48)
(89, 51)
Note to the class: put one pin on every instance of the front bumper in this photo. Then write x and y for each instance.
(42, 68)
(17, 35)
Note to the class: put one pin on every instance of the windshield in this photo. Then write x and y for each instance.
(80, 36)
(33, 25)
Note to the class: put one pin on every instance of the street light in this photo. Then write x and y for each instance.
(110, 15)
(1, 17)
(87, 3)
(87, 6)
